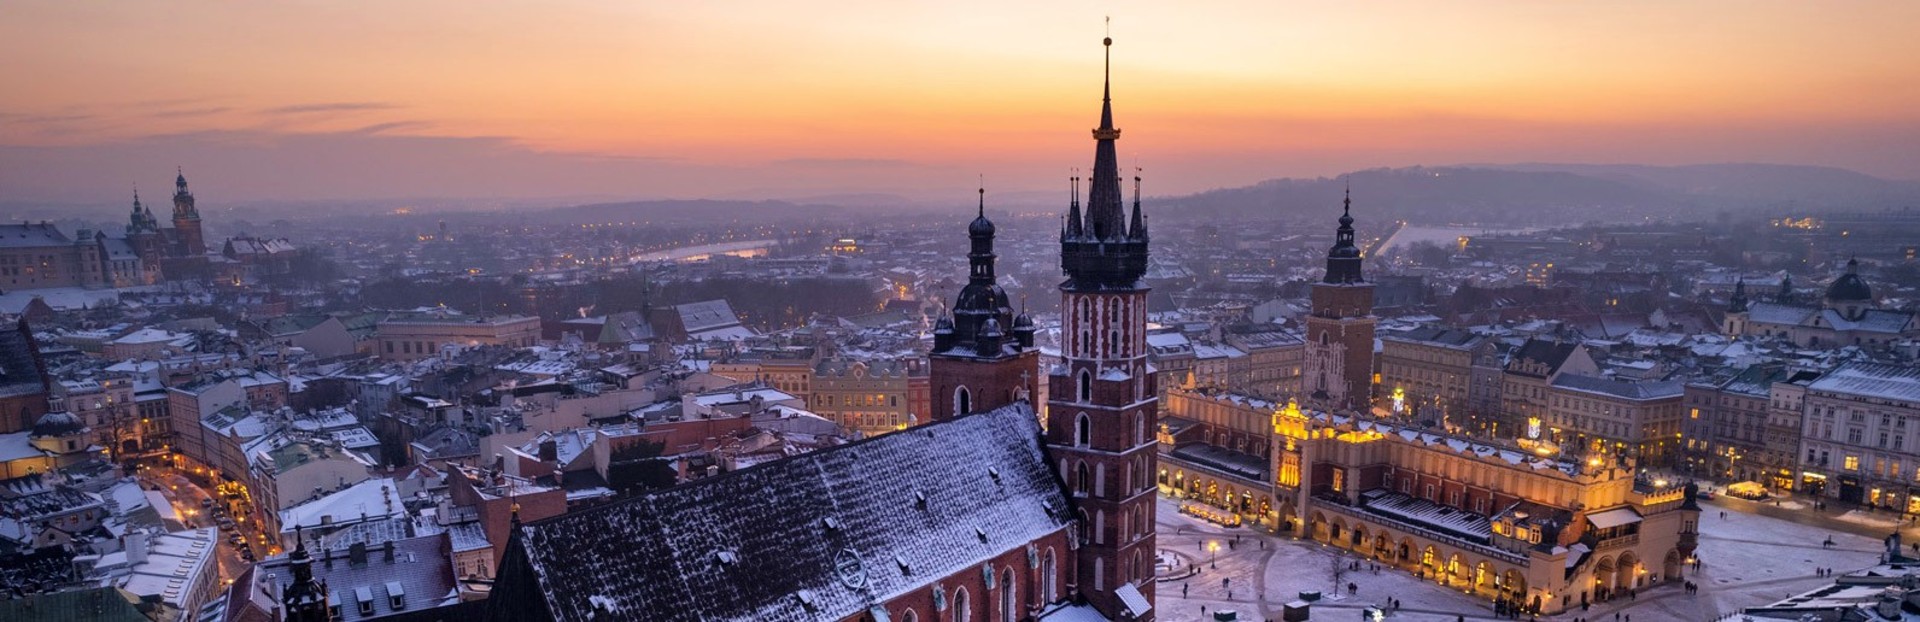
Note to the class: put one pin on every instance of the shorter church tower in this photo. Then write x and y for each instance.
(186, 220)
(983, 355)
(1735, 322)
(304, 600)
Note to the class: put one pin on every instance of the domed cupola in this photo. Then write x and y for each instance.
(1849, 287)
(58, 423)
(1849, 294)
(60, 432)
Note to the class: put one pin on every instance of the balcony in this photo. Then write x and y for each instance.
(1617, 542)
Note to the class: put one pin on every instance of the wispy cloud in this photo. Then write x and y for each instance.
(390, 125)
(330, 107)
(845, 163)
(191, 112)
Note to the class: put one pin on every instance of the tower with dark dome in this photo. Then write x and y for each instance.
(1102, 404)
(1339, 354)
(983, 355)
(1849, 294)
(1734, 323)
(304, 599)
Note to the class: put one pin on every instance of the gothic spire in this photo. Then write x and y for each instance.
(1137, 229)
(1106, 216)
(1738, 303)
(1099, 251)
(1073, 208)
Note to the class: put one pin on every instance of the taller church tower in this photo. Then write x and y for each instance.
(1340, 327)
(1101, 415)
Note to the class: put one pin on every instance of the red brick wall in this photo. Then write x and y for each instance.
(984, 602)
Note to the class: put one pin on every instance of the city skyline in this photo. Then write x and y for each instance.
(755, 100)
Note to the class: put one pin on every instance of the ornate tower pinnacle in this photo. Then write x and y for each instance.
(1343, 260)
(1101, 251)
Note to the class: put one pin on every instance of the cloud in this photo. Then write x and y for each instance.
(191, 112)
(44, 119)
(845, 163)
(390, 125)
(331, 107)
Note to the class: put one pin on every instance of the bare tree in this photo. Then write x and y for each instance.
(1337, 568)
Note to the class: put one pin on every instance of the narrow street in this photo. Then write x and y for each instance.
(198, 507)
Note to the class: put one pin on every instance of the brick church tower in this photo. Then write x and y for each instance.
(186, 220)
(983, 355)
(1339, 354)
(1101, 413)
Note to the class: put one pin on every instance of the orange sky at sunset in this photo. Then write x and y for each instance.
(754, 99)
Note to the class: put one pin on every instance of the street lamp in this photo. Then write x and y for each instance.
(1213, 547)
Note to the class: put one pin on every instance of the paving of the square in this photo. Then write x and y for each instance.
(1746, 560)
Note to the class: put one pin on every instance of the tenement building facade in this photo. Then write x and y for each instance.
(1858, 440)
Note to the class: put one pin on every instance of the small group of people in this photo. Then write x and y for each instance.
(1690, 588)
(1822, 572)
(1616, 618)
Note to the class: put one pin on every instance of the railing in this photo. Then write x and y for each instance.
(1428, 533)
(1617, 542)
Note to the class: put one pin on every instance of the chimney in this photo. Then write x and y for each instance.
(357, 554)
(549, 451)
(137, 547)
(1890, 601)
(389, 554)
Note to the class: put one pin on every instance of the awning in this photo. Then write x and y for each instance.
(1613, 518)
(1136, 603)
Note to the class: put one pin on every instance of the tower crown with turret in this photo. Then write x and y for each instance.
(1343, 260)
(982, 323)
(183, 198)
(1104, 250)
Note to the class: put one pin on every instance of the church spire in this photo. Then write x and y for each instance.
(1106, 215)
(1738, 304)
(1343, 260)
(1100, 251)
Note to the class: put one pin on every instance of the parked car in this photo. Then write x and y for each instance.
(1705, 494)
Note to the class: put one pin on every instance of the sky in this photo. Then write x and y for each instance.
(301, 100)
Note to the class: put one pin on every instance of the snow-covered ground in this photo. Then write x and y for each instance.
(1746, 560)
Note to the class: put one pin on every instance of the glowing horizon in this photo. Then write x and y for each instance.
(712, 99)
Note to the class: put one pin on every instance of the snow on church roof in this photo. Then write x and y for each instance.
(847, 525)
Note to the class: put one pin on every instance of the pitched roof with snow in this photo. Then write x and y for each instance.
(840, 528)
(1892, 382)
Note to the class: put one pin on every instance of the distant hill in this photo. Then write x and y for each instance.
(1546, 194)
(696, 211)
